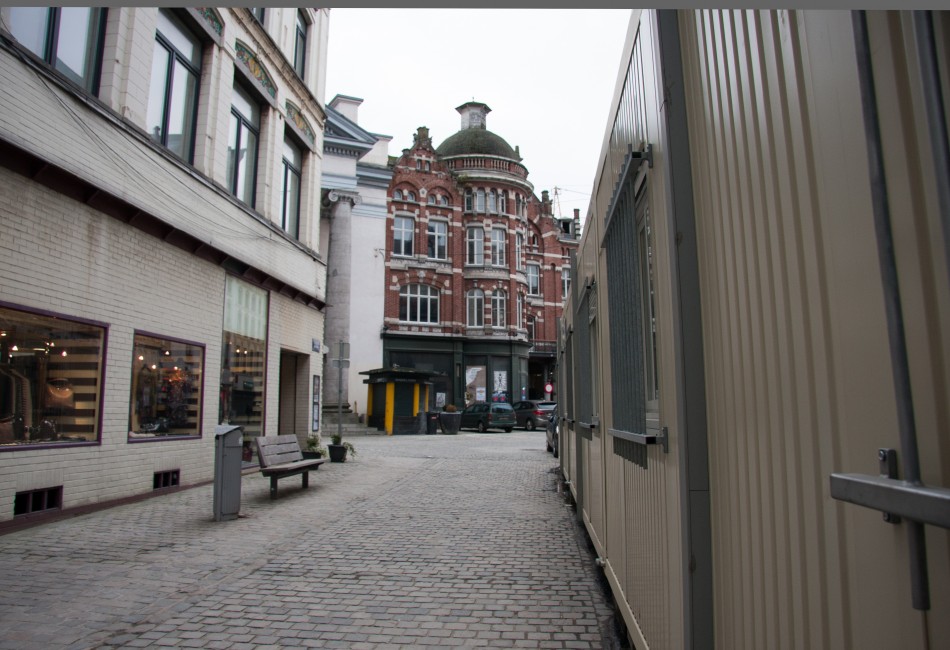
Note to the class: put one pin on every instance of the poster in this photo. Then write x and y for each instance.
(500, 386)
(316, 402)
(474, 384)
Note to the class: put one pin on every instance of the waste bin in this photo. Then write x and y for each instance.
(228, 449)
(432, 422)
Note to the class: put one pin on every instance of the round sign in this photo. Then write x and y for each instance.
(549, 388)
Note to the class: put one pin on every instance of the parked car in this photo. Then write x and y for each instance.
(553, 433)
(484, 416)
(532, 413)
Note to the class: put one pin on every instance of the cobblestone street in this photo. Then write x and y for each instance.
(435, 541)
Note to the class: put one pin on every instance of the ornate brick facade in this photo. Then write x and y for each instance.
(474, 265)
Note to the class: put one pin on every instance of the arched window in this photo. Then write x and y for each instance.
(534, 279)
(443, 201)
(475, 308)
(499, 306)
(479, 200)
(410, 196)
(431, 199)
(519, 311)
(419, 303)
(519, 251)
(468, 200)
(397, 195)
(492, 201)
(503, 202)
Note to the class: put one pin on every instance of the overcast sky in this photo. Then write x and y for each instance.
(548, 76)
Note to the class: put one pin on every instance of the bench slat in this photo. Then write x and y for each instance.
(280, 456)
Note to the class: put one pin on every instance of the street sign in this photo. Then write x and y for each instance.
(339, 363)
(549, 387)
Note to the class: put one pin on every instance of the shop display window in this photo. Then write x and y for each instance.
(243, 360)
(50, 379)
(167, 382)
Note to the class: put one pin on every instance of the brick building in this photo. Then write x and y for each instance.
(160, 270)
(476, 267)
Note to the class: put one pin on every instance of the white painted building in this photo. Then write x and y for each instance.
(159, 265)
(356, 175)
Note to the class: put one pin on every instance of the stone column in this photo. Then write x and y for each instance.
(339, 274)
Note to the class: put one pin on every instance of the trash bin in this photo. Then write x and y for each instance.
(432, 422)
(228, 449)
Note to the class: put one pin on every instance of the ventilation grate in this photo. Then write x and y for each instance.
(166, 479)
(31, 501)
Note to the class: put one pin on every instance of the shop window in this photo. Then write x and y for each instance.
(50, 379)
(173, 95)
(290, 188)
(243, 360)
(242, 145)
(300, 45)
(167, 383)
(438, 238)
(404, 229)
(475, 246)
(67, 38)
(475, 308)
(419, 303)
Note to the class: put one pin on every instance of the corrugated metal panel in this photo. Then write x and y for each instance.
(796, 357)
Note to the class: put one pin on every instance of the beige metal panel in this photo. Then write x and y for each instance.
(798, 373)
(643, 506)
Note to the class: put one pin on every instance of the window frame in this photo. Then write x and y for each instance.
(399, 228)
(533, 266)
(177, 56)
(410, 293)
(499, 308)
(474, 246)
(138, 341)
(287, 168)
(301, 28)
(243, 121)
(499, 245)
(94, 49)
(433, 239)
(475, 308)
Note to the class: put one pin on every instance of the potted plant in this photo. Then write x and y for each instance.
(338, 448)
(313, 448)
(450, 420)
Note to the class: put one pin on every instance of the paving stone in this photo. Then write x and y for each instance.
(420, 541)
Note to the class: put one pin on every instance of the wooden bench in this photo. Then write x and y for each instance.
(280, 456)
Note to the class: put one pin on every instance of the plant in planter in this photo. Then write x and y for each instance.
(339, 448)
(313, 448)
(450, 420)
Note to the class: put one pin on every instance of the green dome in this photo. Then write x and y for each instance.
(476, 141)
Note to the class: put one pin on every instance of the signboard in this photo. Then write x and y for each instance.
(316, 402)
(549, 387)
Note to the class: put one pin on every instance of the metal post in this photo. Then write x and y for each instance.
(339, 394)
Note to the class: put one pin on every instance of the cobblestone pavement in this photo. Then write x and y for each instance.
(420, 541)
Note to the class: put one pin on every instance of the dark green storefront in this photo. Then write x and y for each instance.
(467, 369)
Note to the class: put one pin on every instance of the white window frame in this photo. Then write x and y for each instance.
(419, 300)
(475, 308)
(437, 239)
(499, 242)
(499, 307)
(400, 238)
(475, 246)
(533, 273)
